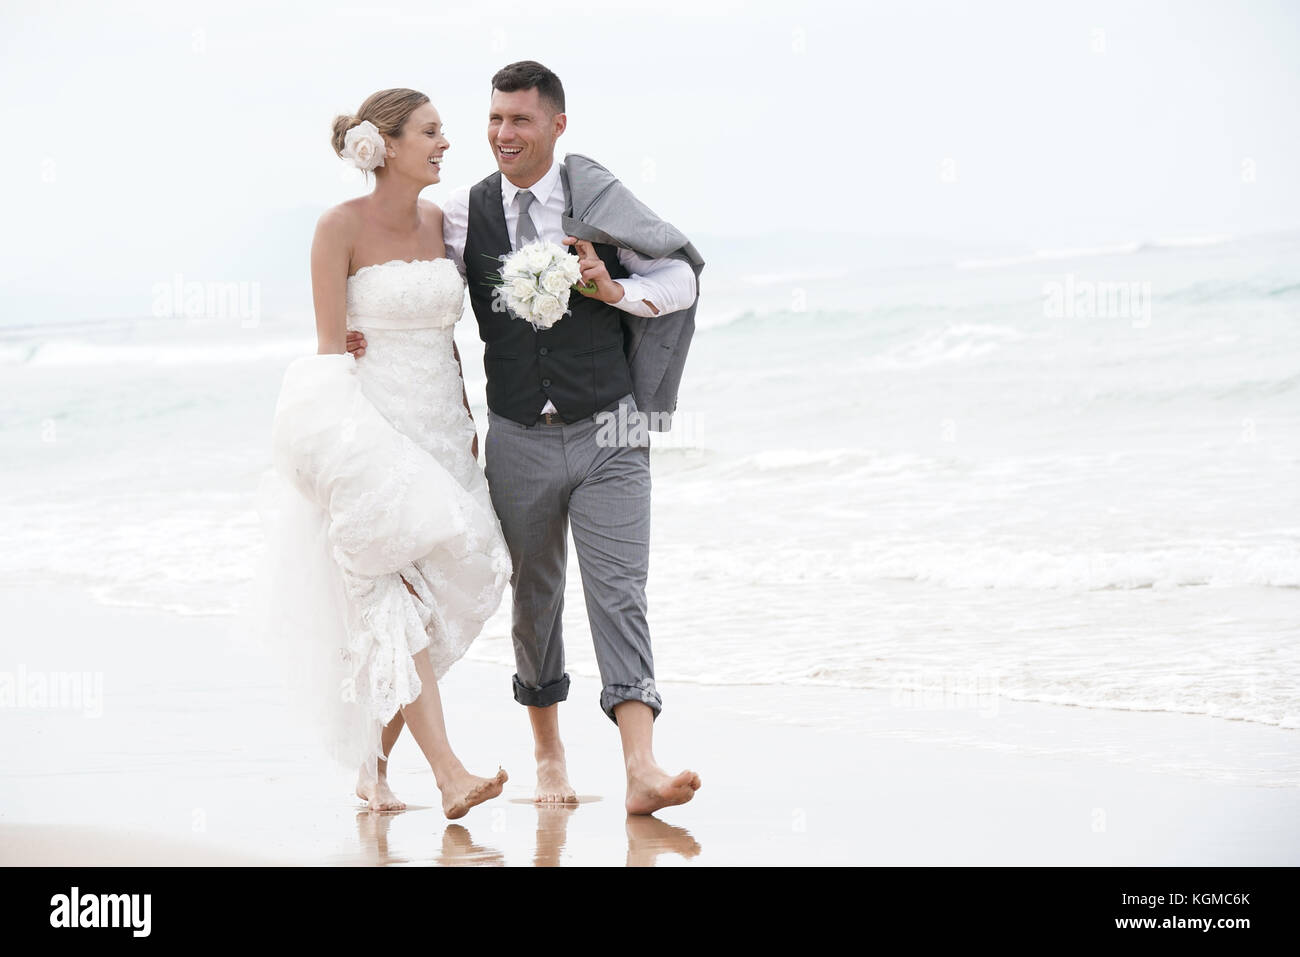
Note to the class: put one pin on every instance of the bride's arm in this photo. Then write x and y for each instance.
(464, 396)
(331, 258)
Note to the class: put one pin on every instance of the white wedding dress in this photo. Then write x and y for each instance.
(375, 485)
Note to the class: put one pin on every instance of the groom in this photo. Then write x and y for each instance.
(548, 459)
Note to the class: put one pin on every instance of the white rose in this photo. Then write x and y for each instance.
(546, 310)
(555, 280)
(572, 271)
(514, 265)
(522, 289)
(537, 256)
(364, 146)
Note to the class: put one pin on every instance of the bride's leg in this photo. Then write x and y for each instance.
(460, 789)
(376, 791)
(392, 731)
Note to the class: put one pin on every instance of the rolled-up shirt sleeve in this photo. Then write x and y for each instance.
(455, 226)
(668, 283)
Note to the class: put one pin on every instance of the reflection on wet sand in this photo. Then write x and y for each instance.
(372, 829)
(648, 837)
(459, 850)
(552, 831)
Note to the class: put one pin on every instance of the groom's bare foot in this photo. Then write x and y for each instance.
(377, 794)
(553, 785)
(650, 787)
(465, 790)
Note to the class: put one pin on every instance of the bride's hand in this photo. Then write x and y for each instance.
(356, 343)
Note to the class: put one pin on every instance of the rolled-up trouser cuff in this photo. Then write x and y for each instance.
(542, 697)
(644, 691)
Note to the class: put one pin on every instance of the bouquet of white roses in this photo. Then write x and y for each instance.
(536, 281)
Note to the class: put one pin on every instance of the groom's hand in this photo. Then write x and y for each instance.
(356, 343)
(593, 270)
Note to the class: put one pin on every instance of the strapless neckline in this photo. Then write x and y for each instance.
(396, 262)
(406, 294)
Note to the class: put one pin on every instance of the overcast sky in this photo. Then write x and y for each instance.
(148, 138)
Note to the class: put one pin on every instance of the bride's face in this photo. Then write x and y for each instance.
(522, 135)
(417, 153)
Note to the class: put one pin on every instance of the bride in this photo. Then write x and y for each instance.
(386, 556)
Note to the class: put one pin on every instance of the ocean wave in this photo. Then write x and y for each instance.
(1182, 242)
(965, 565)
(783, 314)
(1161, 391)
(1128, 248)
(991, 566)
(1274, 710)
(973, 685)
(847, 462)
(1048, 255)
(76, 352)
(716, 319)
(1210, 291)
(935, 342)
(954, 343)
(781, 278)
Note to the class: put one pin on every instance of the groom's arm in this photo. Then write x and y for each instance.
(455, 226)
(655, 286)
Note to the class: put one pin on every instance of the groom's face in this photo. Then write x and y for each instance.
(522, 134)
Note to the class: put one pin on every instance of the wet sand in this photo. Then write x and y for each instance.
(190, 755)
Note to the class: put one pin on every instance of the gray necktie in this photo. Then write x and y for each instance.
(525, 231)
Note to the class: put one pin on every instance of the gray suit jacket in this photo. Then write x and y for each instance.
(605, 211)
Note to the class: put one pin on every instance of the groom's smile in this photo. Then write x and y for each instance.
(522, 133)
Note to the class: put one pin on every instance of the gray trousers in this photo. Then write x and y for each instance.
(543, 480)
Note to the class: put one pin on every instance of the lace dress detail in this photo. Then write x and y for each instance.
(381, 446)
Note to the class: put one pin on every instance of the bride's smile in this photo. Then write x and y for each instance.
(418, 152)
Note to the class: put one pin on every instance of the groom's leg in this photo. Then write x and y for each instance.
(609, 512)
(527, 480)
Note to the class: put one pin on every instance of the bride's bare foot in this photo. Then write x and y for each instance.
(553, 785)
(378, 795)
(465, 790)
(650, 787)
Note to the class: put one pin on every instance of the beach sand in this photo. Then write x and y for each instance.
(191, 756)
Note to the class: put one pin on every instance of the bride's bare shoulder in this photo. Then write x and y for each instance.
(342, 221)
(431, 222)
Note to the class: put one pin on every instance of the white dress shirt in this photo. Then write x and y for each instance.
(667, 283)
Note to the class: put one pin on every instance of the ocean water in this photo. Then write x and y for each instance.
(1067, 476)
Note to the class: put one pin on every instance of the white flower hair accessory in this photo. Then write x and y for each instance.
(363, 146)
